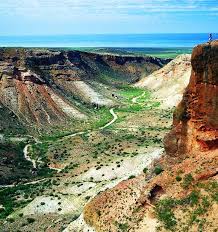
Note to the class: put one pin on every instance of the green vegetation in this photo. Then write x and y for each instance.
(187, 180)
(156, 52)
(39, 150)
(11, 220)
(194, 207)
(12, 147)
(132, 108)
(178, 178)
(158, 169)
(54, 136)
(30, 220)
(128, 92)
(122, 227)
(12, 154)
(165, 214)
(103, 117)
(8, 196)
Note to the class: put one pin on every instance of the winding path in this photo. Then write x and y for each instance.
(27, 157)
(34, 162)
(115, 117)
(26, 153)
(134, 100)
(28, 183)
(135, 171)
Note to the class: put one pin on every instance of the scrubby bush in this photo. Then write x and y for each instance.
(158, 169)
(165, 214)
(11, 220)
(131, 177)
(187, 180)
(178, 178)
(30, 220)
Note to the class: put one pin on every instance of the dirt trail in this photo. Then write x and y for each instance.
(115, 117)
(34, 162)
(27, 157)
(80, 225)
(134, 100)
(28, 183)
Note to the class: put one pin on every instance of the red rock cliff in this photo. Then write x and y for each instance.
(195, 126)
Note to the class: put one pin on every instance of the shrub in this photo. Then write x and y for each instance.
(122, 227)
(187, 180)
(158, 169)
(87, 198)
(145, 170)
(98, 213)
(10, 220)
(178, 178)
(215, 196)
(165, 214)
(131, 177)
(205, 202)
(193, 198)
(30, 220)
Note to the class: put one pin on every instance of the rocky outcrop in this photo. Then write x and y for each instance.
(48, 87)
(28, 96)
(195, 126)
(76, 65)
(187, 170)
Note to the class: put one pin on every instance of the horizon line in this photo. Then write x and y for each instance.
(96, 34)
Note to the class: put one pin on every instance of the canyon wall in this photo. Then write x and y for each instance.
(168, 83)
(47, 87)
(190, 163)
(195, 125)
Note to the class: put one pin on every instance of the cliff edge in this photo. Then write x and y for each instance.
(179, 191)
(195, 125)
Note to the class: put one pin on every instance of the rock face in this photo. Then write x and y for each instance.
(49, 86)
(191, 162)
(168, 83)
(196, 118)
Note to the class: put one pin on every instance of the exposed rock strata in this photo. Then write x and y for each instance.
(48, 86)
(196, 118)
(191, 162)
(168, 83)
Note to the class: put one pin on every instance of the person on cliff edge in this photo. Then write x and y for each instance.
(210, 38)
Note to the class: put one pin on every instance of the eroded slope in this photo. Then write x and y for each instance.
(45, 87)
(168, 83)
(180, 191)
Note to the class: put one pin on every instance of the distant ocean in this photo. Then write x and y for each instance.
(128, 40)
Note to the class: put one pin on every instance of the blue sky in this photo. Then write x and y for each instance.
(48, 17)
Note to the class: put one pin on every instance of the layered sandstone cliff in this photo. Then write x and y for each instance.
(48, 87)
(183, 195)
(196, 118)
